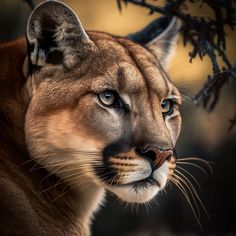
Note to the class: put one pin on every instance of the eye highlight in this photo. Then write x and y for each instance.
(107, 98)
(167, 106)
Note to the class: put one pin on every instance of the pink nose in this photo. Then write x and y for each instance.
(155, 155)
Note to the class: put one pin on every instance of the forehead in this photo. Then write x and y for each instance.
(128, 67)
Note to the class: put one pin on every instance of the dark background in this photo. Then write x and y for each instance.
(203, 135)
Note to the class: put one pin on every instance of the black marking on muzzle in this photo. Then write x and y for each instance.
(107, 173)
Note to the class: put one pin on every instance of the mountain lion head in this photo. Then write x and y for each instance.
(102, 110)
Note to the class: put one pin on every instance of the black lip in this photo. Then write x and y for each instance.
(140, 183)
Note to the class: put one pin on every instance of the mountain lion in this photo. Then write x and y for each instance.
(82, 113)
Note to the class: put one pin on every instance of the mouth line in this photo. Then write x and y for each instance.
(140, 183)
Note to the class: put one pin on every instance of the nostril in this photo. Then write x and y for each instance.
(149, 154)
(155, 155)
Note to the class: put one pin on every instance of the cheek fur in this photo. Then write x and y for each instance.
(131, 170)
(99, 122)
(64, 148)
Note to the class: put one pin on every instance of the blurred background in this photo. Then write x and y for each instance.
(203, 135)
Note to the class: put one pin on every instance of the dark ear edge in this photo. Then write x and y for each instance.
(152, 31)
(54, 28)
(159, 36)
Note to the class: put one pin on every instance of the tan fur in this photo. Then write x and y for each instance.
(54, 131)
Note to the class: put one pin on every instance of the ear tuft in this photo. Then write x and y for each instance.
(53, 26)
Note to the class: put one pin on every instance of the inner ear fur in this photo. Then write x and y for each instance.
(55, 35)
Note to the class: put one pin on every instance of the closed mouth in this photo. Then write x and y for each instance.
(141, 183)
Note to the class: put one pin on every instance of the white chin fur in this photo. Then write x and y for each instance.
(138, 195)
(143, 194)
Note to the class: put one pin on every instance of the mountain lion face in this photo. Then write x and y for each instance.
(102, 110)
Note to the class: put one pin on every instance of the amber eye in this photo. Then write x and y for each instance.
(167, 107)
(107, 98)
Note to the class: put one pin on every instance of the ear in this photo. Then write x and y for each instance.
(160, 36)
(55, 35)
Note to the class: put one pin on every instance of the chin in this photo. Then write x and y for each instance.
(144, 190)
(140, 192)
